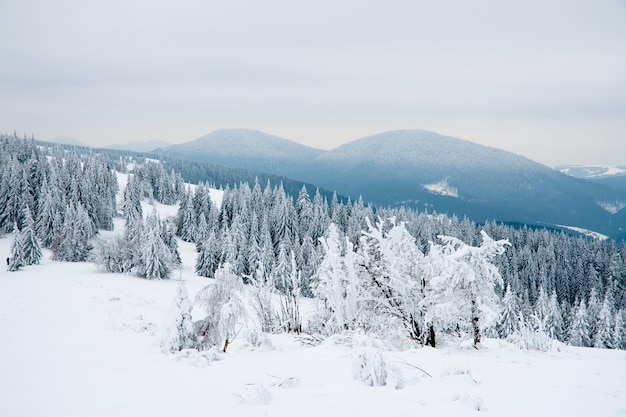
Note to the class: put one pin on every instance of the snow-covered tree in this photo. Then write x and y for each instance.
(462, 290)
(75, 239)
(541, 305)
(553, 323)
(509, 318)
(605, 324)
(177, 331)
(262, 295)
(223, 304)
(337, 285)
(157, 258)
(209, 257)
(16, 260)
(30, 244)
(579, 330)
(593, 309)
(392, 275)
(187, 219)
(131, 206)
(290, 299)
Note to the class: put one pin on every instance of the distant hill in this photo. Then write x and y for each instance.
(243, 148)
(424, 170)
(145, 146)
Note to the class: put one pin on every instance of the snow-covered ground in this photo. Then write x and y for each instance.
(78, 342)
(586, 232)
(442, 188)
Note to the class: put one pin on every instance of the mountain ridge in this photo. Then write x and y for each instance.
(400, 167)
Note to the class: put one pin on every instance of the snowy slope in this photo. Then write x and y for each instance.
(78, 342)
(592, 171)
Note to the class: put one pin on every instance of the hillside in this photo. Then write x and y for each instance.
(424, 170)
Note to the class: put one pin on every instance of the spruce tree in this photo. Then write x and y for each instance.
(605, 329)
(593, 309)
(209, 257)
(16, 260)
(509, 321)
(177, 332)
(553, 323)
(30, 243)
(579, 331)
(156, 260)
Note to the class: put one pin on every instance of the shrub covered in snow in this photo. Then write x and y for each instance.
(222, 301)
(531, 336)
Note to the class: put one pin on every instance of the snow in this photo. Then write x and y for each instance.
(612, 206)
(442, 188)
(586, 232)
(77, 342)
(592, 171)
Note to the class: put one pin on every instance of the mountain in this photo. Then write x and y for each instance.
(593, 171)
(243, 148)
(425, 170)
(144, 146)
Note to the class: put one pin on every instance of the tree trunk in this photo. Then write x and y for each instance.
(475, 324)
(225, 345)
(430, 340)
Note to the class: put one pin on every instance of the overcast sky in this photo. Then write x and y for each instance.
(542, 78)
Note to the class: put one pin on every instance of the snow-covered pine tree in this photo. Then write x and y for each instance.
(16, 260)
(337, 285)
(553, 323)
(593, 307)
(30, 244)
(605, 324)
(282, 269)
(209, 257)
(12, 189)
(48, 203)
(156, 259)
(167, 235)
(178, 332)
(131, 206)
(509, 318)
(75, 239)
(579, 330)
(541, 305)
(187, 226)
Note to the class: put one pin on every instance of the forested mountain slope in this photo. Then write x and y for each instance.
(425, 170)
